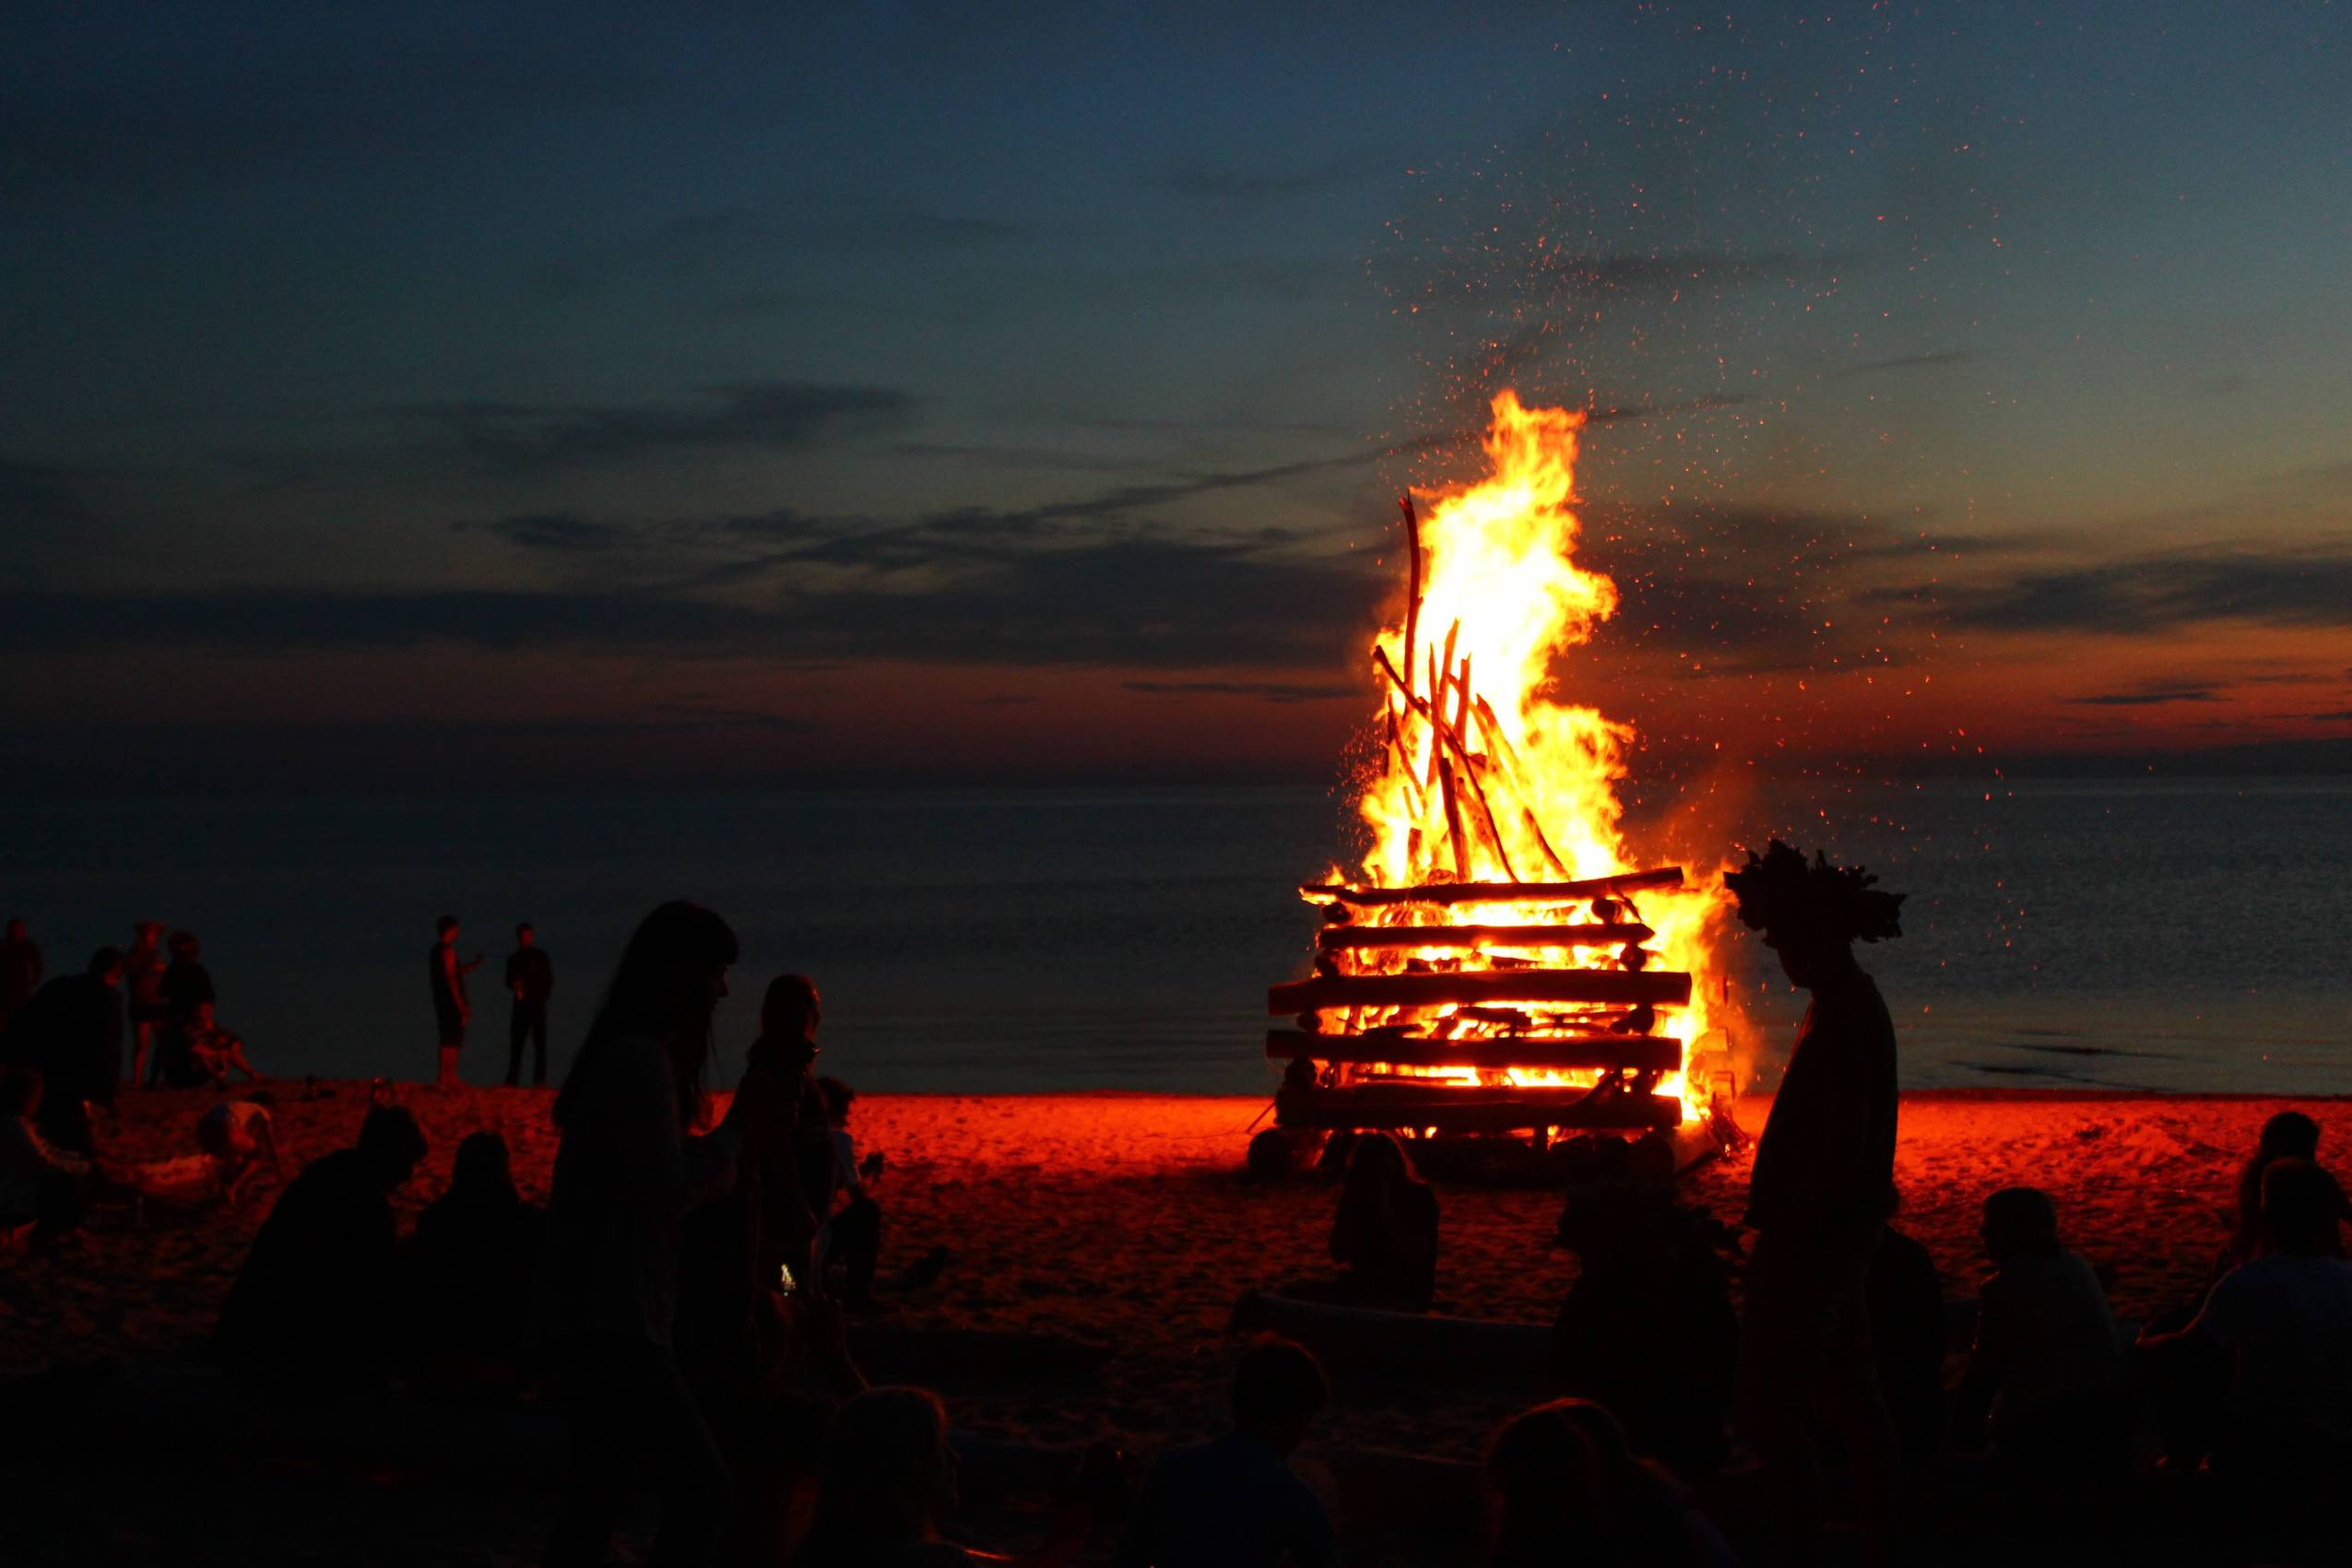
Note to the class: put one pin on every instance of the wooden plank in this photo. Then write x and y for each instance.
(1585, 934)
(1476, 1110)
(1496, 892)
(1659, 1053)
(1612, 987)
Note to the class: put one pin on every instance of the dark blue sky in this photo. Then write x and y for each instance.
(744, 391)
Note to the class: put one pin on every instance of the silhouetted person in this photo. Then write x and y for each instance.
(239, 1134)
(1648, 1327)
(1908, 1330)
(2289, 1135)
(2048, 1367)
(1820, 1193)
(72, 1031)
(1384, 1234)
(186, 982)
(736, 1249)
(213, 1052)
(2283, 1322)
(142, 968)
(852, 1234)
(888, 1481)
(1564, 1487)
(629, 1170)
(446, 975)
(467, 1270)
(313, 1311)
(1234, 1502)
(531, 981)
(20, 971)
(38, 1181)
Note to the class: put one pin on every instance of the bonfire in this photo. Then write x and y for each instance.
(1503, 960)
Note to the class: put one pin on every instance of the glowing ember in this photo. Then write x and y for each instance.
(1499, 934)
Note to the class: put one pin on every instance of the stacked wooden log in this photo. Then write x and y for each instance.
(1452, 1042)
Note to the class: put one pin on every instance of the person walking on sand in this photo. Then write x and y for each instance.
(629, 1167)
(531, 981)
(1821, 1192)
(20, 971)
(451, 1010)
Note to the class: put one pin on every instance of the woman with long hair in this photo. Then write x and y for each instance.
(629, 1167)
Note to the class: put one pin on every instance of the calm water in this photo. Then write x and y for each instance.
(2185, 936)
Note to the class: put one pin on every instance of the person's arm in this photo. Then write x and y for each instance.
(266, 1139)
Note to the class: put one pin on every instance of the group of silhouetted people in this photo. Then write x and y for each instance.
(530, 986)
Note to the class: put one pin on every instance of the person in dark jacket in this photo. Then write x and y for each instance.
(531, 981)
(72, 1031)
(313, 1310)
(1820, 1195)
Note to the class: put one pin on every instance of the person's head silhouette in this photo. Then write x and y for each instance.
(1812, 913)
(1278, 1389)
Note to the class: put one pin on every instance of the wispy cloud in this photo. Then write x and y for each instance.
(775, 414)
(1279, 691)
(2153, 697)
(2279, 586)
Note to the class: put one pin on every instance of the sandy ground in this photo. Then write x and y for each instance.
(1122, 1221)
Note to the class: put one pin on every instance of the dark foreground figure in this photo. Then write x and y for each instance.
(1821, 1193)
(312, 1312)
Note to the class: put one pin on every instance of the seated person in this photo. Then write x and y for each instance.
(2048, 1367)
(1234, 1502)
(2283, 1320)
(312, 1309)
(1564, 1487)
(2290, 1135)
(214, 1051)
(1384, 1235)
(1907, 1336)
(239, 1134)
(466, 1271)
(1648, 1327)
(38, 1181)
(852, 1234)
(888, 1482)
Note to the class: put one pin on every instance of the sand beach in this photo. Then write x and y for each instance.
(1116, 1221)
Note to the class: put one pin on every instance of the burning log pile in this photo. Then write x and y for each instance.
(1500, 964)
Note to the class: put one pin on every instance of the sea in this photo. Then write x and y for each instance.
(2181, 935)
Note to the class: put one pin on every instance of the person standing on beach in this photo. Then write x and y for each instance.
(143, 988)
(629, 1169)
(20, 971)
(451, 1010)
(1821, 1193)
(530, 980)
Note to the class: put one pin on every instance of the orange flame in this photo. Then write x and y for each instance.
(1487, 779)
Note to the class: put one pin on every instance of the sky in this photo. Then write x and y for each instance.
(723, 394)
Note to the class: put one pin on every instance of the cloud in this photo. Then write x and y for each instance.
(1279, 691)
(2289, 587)
(551, 532)
(317, 107)
(2151, 698)
(775, 414)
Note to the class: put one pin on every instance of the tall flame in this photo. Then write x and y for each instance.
(1486, 778)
